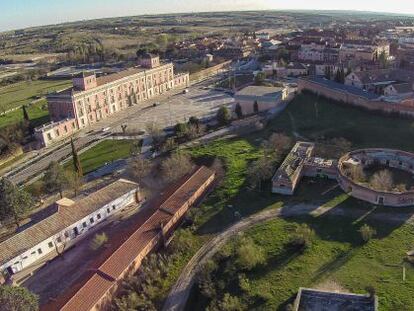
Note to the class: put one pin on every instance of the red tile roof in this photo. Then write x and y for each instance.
(93, 286)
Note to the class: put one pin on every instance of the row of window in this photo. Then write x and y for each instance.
(98, 217)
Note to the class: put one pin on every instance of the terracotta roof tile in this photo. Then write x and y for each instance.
(64, 217)
(93, 288)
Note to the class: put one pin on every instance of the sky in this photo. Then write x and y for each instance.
(16, 14)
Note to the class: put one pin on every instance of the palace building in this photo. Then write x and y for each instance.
(92, 99)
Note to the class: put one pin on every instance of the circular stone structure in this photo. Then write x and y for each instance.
(384, 158)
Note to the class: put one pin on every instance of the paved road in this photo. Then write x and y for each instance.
(177, 298)
(170, 109)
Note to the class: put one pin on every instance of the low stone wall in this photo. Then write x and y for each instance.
(354, 100)
(203, 74)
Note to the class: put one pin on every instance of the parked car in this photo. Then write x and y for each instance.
(106, 129)
(185, 91)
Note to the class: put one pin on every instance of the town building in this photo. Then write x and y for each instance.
(375, 81)
(92, 98)
(96, 288)
(363, 51)
(253, 99)
(64, 223)
(233, 52)
(298, 163)
(309, 299)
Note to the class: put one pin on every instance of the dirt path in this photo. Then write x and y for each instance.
(180, 292)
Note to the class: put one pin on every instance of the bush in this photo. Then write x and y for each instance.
(302, 237)
(367, 233)
(248, 254)
(382, 181)
(223, 116)
(98, 241)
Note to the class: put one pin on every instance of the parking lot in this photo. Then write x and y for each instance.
(200, 101)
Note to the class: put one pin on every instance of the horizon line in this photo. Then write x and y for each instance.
(203, 12)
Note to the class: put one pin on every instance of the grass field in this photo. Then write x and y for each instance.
(312, 118)
(104, 152)
(338, 253)
(38, 113)
(23, 93)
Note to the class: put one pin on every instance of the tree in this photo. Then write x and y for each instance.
(76, 160)
(303, 236)
(73, 181)
(249, 254)
(14, 202)
(223, 115)
(140, 168)
(55, 178)
(181, 129)
(238, 110)
(328, 72)
(357, 173)
(194, 121)
(136, 148)
(383, 60)
(382, 181)
(176, 166)
(98, 241)
(277, 144)
(16, 298)
(260, 78)
(256, 107)
(260, 171)
(155, 132)
(367, 233)
(169, 144)
(25, 114)
(204, 279)
(27, 121)
(338, 76)
(231, 303)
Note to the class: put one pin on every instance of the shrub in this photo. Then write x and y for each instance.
(98, 241)
(302, 237)
(367, 232)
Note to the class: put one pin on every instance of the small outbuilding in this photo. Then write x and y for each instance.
(254, 99)
(317, 300)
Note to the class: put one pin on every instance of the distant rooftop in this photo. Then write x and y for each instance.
(316, 300)
(262, 91)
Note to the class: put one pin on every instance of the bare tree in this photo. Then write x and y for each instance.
(357, 173)
(382, 181)
(176, 166)
(277, 144)
(156, 134)
(140, 168)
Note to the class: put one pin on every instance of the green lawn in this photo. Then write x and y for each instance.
(38, 113)
(104, 152)
(313, 119)
(23, 93)
(337, 255)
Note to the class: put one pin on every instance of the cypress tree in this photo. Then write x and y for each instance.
(76, 161)
(25, 114)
